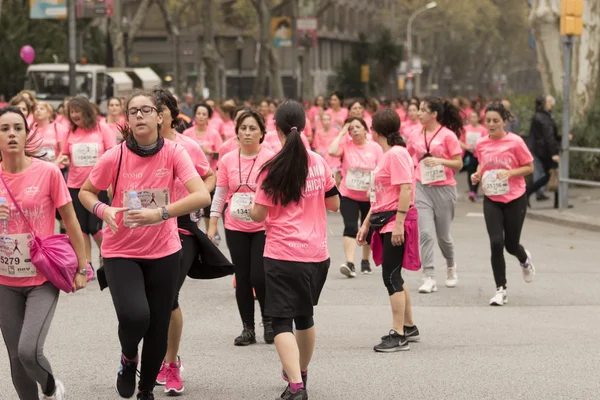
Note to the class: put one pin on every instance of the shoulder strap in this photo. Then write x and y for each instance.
(17, 205)
(118, 170)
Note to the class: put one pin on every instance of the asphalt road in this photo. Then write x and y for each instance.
(542, 345)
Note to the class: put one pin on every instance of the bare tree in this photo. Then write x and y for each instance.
(117, 30)
(210, 54)
(263, 13)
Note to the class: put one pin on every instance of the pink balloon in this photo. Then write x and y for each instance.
(27, 54)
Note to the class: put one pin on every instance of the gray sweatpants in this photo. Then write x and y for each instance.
(435, 205)
(25, 317)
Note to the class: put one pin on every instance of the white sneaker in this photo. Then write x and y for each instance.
(451, 277)
(59, 394)
(429, 285)
(500, 298)
(529, 270)
(348, 270)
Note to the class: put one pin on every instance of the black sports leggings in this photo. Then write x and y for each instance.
(471, 169)
(247, 250)
(351, 209)
(143, 292)
(504, 222)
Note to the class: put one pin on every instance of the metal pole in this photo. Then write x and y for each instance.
(563, 165)
(72, 48)
(240, 73)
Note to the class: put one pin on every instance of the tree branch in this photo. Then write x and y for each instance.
(276, 9)
(138, 19)
(323, 6)
(164, 10)
(180, 10)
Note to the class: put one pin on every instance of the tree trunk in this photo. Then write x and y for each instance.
(116, 30)
(264, 40)
(210, 54)
(276, 81)
(544, 19)
(307, 81)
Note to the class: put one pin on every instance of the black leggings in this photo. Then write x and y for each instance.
(246, 249)
(189, 253)
(504, 222)
(351, 209)
(471, 168)
(89, 223)
(392, 264)
(143, 292)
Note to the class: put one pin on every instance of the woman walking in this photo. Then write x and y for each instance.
(359, 158)
(438, 156)
(142, 246)
(28, 299)
(236, 186)
(468, 138)
(294, 190)
(504, 161)
(392, 200)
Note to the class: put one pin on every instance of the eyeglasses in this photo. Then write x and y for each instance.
(146, 110)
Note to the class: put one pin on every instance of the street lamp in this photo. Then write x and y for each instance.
(239, 45)
(414, 15)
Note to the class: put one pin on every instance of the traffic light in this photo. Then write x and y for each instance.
(571, 17)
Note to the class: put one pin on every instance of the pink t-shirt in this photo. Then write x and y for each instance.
(409, 127)
(227, 129)
(308, 130)
(272, 141)
(228, 145)
(270, 122)
(153, 178)
(472, 134)
(198, 158)
(49, 139)
(337, 117)
(85, 149)
(507, 153)
(211, 139)
(357, 164)
(242, 185)
(116, 127)
(321, 144)
(395, 168)
(444, 145)
(298, 231)
(39, 190)
(215, 122)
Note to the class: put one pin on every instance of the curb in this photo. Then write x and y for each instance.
(565, 221)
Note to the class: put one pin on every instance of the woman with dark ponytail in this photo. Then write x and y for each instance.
(438, 155)
(294, 190)
(393, 218)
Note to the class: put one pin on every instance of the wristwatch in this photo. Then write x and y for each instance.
(83, 272)
(165, 214)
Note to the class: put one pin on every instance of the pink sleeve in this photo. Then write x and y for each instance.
(522, 152)
(58, 188)
(65, 144)
(260, 196)
(400, 168)
(452, 144)
(184, 167)
(103, 173)
(199, 158)
(329, 179)
(108, 137)
(216, 141)
(222, 179)
(308, 131)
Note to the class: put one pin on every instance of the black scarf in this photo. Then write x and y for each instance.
(135, 148)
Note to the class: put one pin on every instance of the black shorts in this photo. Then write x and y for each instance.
(89, 223)
(293, 288)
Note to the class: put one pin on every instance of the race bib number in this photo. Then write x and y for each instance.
(492, 185)
(358, 179)
(85, 154)
(372, 195)
(15, 257)
(472, 138)
(150, 199)
(49, 153)
(432, 174)
(240, 206)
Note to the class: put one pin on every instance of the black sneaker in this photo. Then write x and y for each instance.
(411, 333)
(145, 395)
(289, 395)
(126, 378)
(392, 343)
(269, 334)
(247, 337)
(348, 270)
(365, 267)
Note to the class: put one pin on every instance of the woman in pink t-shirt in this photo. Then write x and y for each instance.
(393, 218)
(357, 110)
(336, 111)
(49, 134)
(504, 161)
(227, 128)
(84, 144)
(115, 118)
(359, 158)
(28, 299)
(324, 136)
(142, 246)
(170, 372)
(208, 138)
(294, 190)
(236, 187)
(438, 156)
(412, 124)
(468, 138)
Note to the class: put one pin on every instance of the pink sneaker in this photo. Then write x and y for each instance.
(161, 379)
(174, 384)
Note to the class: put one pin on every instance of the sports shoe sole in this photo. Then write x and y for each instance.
(433, 290)
(366, 272)
(452, 284)
(494, 304)
(345, 270)
(413, 338)
(392, 350)
(174, 392)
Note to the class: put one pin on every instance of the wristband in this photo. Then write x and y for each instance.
(100, 210)
(94, 207)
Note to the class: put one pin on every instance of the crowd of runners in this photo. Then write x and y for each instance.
(149, 181)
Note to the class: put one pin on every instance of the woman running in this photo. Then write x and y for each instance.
(412, 124)
(438, 156)
(468, 138)
(142, 246)
(504, 161)
(115, 118)
(324, 137)
(25, 106)
(392, 200)
(170, 371)
(49, 134)
(28, 299)
(359, 159)
(87, 140)
(337, 111)
(294, 190)
(236, 186)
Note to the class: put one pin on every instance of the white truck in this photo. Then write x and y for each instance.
(50, 82)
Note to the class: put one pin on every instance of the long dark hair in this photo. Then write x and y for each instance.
(288, 170)
(32, 144)
(257, 117)
(125, 130)
(169, 101)
(90, 116)
(386, 123)
(448, 115)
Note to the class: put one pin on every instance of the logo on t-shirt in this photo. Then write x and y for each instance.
(161, 172)
(31, 190)
(132, 175)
